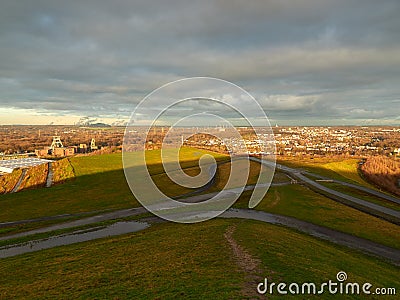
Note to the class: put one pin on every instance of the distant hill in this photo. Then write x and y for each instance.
(97, 125)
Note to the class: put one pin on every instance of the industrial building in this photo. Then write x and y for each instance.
(57, 148)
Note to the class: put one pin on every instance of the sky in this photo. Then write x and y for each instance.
(306, 62)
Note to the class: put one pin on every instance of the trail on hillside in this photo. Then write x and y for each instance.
(49, 180)
(246, 263)
(21, 178)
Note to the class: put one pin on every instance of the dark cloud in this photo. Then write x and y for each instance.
(333, 61)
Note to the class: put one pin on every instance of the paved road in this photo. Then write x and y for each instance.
(78, 236)
(305, 227)
(371, 207)
(325, 233)
(358, 187)
(365, 206)
(85, 221)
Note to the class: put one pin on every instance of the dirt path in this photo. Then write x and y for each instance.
(276, 200)
(325, 233)
(248, 264)
(321, 232)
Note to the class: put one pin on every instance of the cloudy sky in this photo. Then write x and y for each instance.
(306, 62)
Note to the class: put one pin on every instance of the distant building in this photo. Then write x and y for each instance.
(93, 145)
(56, 143)
(42, 152)
(64, 151)
(58, 149)
(83, 148)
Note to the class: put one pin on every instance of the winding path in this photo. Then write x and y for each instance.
(357, 187)
(325, 233)
(322, 232)
(388, 214)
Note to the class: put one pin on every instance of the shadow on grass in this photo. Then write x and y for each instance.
(103, 190)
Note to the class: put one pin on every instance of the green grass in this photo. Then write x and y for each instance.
(44, 235)
(361, 195)
(224, 171)
(280, 177)
(180, 261)
(347, 168)
(341, 169)
(164, 261)
(100, 184)
(62, 171)
(288, 256)
(302, 203)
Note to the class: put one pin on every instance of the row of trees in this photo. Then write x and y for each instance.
(384, 172)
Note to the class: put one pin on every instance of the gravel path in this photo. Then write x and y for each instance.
(21, 178)
(49, 180)
(325, 233)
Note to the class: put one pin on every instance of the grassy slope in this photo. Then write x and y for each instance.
(288, 256)
(169, 261)
(361, 195)
(8, 181)
(342, 169)
(164, 261)
(35, 177)
(300, 202)
(62, 171)
(100, 184)
(345, 170)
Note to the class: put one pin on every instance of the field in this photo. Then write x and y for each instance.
(170, 261)
(361, 195)
(300, 202)
(195, 261)
(99, 184)
(341, 169)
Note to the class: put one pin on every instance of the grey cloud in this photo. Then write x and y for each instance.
(307, 58)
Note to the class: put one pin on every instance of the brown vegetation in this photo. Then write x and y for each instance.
(24, 138)
(35, 177)
(62, 171)
(383, 172)
(105, 150)
(8, 181)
